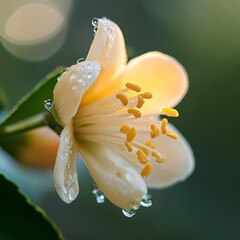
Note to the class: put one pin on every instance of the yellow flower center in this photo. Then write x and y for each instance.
(118, 122)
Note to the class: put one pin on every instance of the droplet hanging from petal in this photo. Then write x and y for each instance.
(129, 213)
(146, 201)
(100, 198)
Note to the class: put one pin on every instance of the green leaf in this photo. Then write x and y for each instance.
(20, 218)
(32, 103)
(3, 101)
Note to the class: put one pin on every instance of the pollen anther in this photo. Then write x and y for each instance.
(170, 112)
(146, 170)
(159, 158)
(172, 135)
(155, 131)
(142, 157)
(128, 146)
(146, 95)
(124, 128)
(133, 87)
(131, 134)
(123, 98)
(136, 113)
(164, 126)
(150, 144)
(140, 101)
(145, 150)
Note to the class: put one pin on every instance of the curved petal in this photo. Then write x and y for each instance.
(159, 74)
(71, 86)
(115, 177)
(108, 48)
(179, 162)
(65, 171)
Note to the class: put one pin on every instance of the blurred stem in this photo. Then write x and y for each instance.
(40, 120)
(22, 126)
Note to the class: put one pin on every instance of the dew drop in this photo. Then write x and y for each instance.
(100, 198)
(95, 22)
(80, 60)
(48, 104)
(129, 213)
(146, 201)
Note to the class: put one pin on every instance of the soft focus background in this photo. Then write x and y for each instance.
(205, 37)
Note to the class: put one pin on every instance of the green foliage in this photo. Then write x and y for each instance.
(32, 103)
(20, 218)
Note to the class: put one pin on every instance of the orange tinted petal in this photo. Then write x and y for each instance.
(159, 74)
(40, 148)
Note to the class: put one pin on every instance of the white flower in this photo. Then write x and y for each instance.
(110, 114)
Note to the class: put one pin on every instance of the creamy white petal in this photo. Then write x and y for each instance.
(108, 48)
(179, 162)
(65, 170)
(71, 86)
(115, 177)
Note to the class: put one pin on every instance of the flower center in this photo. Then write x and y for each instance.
(118, 121)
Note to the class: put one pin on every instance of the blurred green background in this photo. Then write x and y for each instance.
(204, 35)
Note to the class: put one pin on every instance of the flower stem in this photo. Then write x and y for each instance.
(40, 120)
(25, 125)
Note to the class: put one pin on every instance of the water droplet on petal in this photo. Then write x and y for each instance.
(146, 201)
(129, 213)
(80, 60)
(48, 104)
(100, 198)
(95, 22)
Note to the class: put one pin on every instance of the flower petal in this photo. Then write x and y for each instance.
(115, 177)
(71, 86)
(108, 48)
(65, 170)
(159, 74)
(179, 162)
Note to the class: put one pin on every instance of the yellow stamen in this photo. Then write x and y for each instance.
(145, 150)
(172, 135)
(159, 158)
(150, 144)
(131, 134)
(142, 157)
(153, 134)
(136, 113)
(128, 146)
(123, 98)
(146, 170)
(140, 101)
(170, 112)
(133, 87)
(124, 128)
(147, 95)
(155, 131)
(154, 127)
(164, 126)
